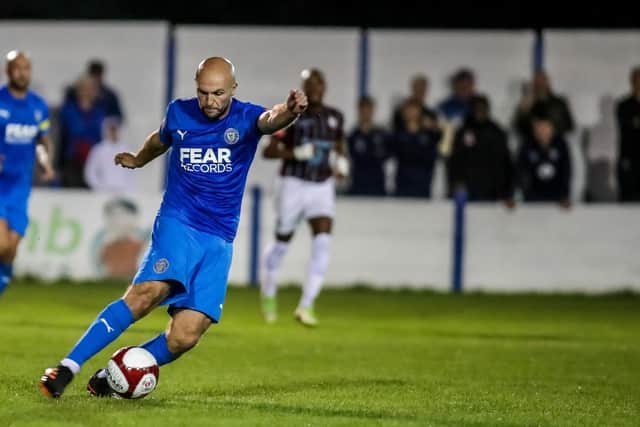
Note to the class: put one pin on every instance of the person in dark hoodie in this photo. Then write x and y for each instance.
(544, 164)
(480, 161)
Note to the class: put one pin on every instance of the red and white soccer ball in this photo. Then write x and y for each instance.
(132, 372)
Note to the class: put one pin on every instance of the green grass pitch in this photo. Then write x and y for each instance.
(378, 358)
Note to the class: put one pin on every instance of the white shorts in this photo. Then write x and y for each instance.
(298, 199)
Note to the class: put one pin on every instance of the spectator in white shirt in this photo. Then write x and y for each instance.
(100, 172)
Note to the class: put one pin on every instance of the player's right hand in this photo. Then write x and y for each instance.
(126, 160)
(297, 101)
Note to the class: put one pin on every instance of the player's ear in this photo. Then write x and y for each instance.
(233, 88)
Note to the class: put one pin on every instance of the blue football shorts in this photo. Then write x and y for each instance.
(13, 203)
(196, 263)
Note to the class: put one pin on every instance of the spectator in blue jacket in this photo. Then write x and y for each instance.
(80, 129)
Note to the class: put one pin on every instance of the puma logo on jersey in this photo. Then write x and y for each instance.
(182, 133)
(16, 133)
(210, 160)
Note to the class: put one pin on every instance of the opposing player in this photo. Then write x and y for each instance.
(24, 128)
(214, 139)
(312, 153)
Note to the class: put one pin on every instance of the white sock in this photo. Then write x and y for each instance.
(272, 260)
(320, 250)
(72, 365)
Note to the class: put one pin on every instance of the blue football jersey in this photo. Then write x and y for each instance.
(22, 122)
(208, 164)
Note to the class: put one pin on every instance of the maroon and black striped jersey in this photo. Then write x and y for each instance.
(323, 129)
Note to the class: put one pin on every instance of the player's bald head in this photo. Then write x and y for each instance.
(18, 68)
(216, 66)
(216, 85)
(16, 57)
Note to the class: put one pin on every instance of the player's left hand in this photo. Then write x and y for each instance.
(126, 160)
(297, 101)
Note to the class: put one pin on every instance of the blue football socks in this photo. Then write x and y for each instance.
(6, 272)
(108, 326)
(158, 347)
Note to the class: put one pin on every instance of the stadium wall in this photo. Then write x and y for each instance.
(590, 67)
(382, 243)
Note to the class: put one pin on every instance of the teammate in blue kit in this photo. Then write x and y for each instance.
(214, 139)
(24, 128)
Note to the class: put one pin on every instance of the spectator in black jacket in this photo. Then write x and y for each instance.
(628, 117)
(538, 99)
(369, 150)
(416, 152)
(480, 161)
(544, 165)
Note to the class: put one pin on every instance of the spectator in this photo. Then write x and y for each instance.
(599, 149)
(545, 164)
(369, 150)
(80, 129)
(480, 161)
(628, 117)
(538, 99)
(107, 98)
(456, 106)
(100, 172)
(416, 151)
(419, 92)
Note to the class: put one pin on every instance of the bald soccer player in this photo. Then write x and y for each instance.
(24, 128)
(214, 137)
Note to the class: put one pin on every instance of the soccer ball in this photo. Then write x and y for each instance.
(132, 372)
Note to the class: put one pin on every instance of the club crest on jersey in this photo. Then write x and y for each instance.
(5, 114)
(161, 265)
(231, 136)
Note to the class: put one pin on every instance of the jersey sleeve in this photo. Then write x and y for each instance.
(43, 123)
(252, 113)
(167, 125)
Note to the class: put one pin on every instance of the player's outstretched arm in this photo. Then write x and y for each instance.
(152, 148)
(282, 115)
(42, 154)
